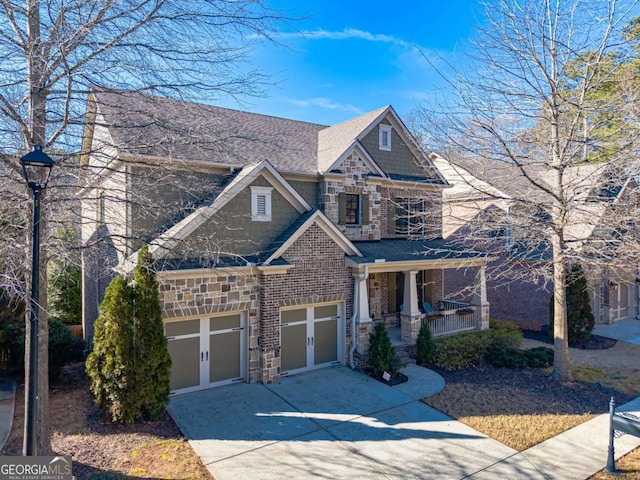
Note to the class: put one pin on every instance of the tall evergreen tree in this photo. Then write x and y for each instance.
(111, 365)
(152, 353)
(130, 365)
(580, 319)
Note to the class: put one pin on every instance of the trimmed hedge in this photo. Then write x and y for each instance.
(498, 346)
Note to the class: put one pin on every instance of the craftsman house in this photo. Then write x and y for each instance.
(278, 243)
(603, 198)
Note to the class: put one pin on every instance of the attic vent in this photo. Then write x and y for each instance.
(261, 204)
(261, 207)
(384, 137)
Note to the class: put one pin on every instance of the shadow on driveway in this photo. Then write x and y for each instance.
(331, 423)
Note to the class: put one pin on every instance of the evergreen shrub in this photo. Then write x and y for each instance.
(580, 319)
(129, 367)
(425, 346)
(382, 356)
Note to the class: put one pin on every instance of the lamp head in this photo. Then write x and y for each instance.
(36, 168)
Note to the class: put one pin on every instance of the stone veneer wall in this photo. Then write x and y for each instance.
(213, 293)
(354, 182)
(319, 274)
(375, 294)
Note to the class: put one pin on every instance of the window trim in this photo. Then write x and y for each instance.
(256, 214)
(384, 129)
(358, 209)
(407, 214)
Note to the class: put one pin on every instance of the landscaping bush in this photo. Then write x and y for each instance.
(460, 351)
(64, 289)
(580, 319)
(539, 357)
(382, 356)
(63, 348)
(425, 346)
(153, 367)
(497, 346)
(130, 365)
(12, 327)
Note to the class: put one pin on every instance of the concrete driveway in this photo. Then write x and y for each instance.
(332, 423)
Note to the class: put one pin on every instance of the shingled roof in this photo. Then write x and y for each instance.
(143, 124)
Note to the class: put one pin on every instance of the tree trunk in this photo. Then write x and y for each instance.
(561, 366)
(37, 127)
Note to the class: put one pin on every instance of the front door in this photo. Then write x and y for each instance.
(206, 352)
(310, 337)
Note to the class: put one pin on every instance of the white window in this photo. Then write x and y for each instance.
(261, 204)
(385, 137)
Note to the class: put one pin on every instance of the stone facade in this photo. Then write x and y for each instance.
(197, 296)
(354, 181)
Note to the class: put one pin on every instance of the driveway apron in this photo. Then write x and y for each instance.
(330, 423)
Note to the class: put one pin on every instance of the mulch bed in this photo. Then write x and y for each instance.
(531, 391)
(596, 342)
(396, 379)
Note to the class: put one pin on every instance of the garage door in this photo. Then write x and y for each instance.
(206, 352)
(311, 337)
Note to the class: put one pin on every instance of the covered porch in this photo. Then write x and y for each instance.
(404, 289)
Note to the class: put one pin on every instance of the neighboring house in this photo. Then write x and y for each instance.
(278, 243)
(519, 287)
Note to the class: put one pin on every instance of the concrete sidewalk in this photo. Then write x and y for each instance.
(625, 330)
(7, 405)
(575, 454)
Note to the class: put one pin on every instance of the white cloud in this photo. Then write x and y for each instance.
(325, 103)
(346, 34)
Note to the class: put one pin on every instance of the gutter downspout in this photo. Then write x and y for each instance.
(356, 307)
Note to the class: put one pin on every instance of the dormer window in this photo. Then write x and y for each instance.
(385, 137)
(261, 204)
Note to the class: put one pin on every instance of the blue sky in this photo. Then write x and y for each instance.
(352, 56)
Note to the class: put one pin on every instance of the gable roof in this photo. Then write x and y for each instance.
(163, 245)
(335, 141)
(464, 185)
(590, 187)
(298, 228)
(177, 130)
(153, 126)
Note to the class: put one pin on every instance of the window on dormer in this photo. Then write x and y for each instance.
(261, 204)
(385, 137)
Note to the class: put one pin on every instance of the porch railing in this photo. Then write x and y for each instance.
(453, 317)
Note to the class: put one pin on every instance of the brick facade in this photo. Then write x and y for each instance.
(318, 273)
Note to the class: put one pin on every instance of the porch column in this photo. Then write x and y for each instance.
(363, 324)
(480, 298)
(410, 316)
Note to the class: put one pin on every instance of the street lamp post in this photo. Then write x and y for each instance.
(36, 166)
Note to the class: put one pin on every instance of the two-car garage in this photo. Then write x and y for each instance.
(213, 350)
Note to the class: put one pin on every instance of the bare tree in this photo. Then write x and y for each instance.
(54, 51)
(527, 113)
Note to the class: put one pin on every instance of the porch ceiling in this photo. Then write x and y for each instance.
(399, 254)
